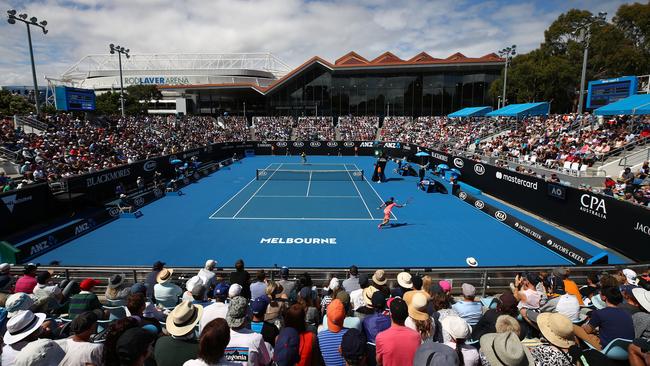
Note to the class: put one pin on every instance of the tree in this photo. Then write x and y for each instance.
(11, 104)
(140, 97)
(108, 103)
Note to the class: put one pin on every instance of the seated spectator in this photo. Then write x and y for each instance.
(152, 276)
(288, 286)
(641, 319)
(200, 295)
(18, 302)
(356, 296)
(418, 319)
(329, 340)
(258, 287)
(397, 345)
(379, 282)
(367, 309)
(277, 304)
(242, 278)
(504, 348)
(165, 291)
(352, 282)
(245, 347)
(558, 337)
(150, 310)
(404, 284)
(350, 322)
(432, 353)
(218, 309)
(629, 302)
(6, 279)
(136, 304)
(268, 330)
(85, 300)
(506, 305)
(525, 292)
(312, 314)
(23, 328)
(378, 321)
(117, 289)
(469, 309)
(181, 345)
(459, 332)
(79, 350)
(207, 275)
(215, 336)
(353, 347)
(610, 322)
(331, 290)
(27, 281)
(135, 346)
(295, 318)
(41, 352)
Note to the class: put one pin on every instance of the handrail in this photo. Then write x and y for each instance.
(30, 121)
(624, 160)
(9, 154)
(627, 147)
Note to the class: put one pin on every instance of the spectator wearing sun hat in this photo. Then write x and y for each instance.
(433, 354)
(329, 340)
(504, 349)
(18, 302)
(85, 300)
(117, 288)
(6, 279)
(181, 345)
(79, 350)
(558, 337)
(219, 308)
(404, 284)
(641, 319)
(165, 291)
(419, 320)
(41, 352)
(469, 309)
(150, 281)
(23, 328)
(378, 321)
(379, 281)
(245, 347)
(27, 281)
(459, 332)
(397, 345)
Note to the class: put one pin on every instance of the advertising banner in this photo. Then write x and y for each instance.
(23, 207)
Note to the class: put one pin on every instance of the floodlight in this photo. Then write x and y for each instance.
(11, 21)
(45, 31)
(44, 23)
(11, 12)
(23, 16)
(33, 20)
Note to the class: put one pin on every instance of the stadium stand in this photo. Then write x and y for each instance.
(314, 128)
(357, 128)
(273, 128)
(113, 315)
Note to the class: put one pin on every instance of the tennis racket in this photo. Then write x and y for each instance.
(408, 201)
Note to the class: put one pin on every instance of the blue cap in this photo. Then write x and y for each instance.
(258, 306)
(138, 288)
(286, 347)
(221, 290)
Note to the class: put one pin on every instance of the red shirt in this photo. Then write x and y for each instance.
(396, 346)
(26, 284)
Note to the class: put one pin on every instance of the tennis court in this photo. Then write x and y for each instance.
(294, 191)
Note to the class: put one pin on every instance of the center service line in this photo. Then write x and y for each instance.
(251, 197)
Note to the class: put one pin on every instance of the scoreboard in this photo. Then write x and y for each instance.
(603, 92)
(74, 99)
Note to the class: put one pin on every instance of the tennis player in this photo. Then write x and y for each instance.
(388, 208)
(303, 157)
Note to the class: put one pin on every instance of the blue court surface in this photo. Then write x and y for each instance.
(276, 211)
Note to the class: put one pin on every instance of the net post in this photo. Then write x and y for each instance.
(257, 174)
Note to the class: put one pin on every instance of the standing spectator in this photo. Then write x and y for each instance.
(288, 286)
(268, 330)
(419, 320)
(117, 289)
(182, 344)
(353, 348)
(610, 322)
(329, 340)
(378, 321)
(352, 282)
(295, 318)
(207, 275)
(219, 308)
(23, 328)
(27, 281)
(79, 350)
(245, 347)
(165, 291)
(85, 300)
(212, 344)
(356, 296)
(379, 281)
(459, 332)
(135, 346)
(469, 309)
(404, 284)
(288, 348)
(150, 282)
(332, 290)
(397, 345)
(5, 278)
(258, 288)
(242, 278)
(41, 352)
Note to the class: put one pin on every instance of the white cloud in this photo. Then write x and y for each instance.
(294, 30)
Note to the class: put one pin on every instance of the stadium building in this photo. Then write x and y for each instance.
(262, 84)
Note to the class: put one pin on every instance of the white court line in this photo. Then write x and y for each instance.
(300, 164)
(357, 188)
(309, 184)
(312, 196)
(251, 197)
(294, 218)
(236, 194)
(373, 188)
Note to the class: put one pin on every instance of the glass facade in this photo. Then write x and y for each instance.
(378, 92)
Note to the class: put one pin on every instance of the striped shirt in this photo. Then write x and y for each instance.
(82, 302)
(329, 343)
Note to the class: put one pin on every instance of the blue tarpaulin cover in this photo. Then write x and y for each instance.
(471, 112)
(634, 104)
(522, 110)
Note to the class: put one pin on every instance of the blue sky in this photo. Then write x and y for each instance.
(294, 30)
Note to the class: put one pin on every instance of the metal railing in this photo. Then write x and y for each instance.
(23, 121)
(621, 150)
(9, 154)
(635, 158)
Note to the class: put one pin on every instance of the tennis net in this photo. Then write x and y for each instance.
(318, 175)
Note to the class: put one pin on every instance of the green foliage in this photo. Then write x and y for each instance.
(14, 104)
(552, 71)
(108, 103)
(140, 97)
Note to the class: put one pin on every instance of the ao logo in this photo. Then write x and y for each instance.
(149, 165)
(516, 224)
(114, 212)
(479, 169)
(462, 196)
(500, 215)
(281, 144)
(314, 144)
(479, 204)
(459, 163)
(139, 201)
(499, 175)
(298, 144)
(332, 144)
(157, 192)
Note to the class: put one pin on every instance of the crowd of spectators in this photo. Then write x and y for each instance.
(358, 128)
(314, 128)
(218, 318)
(235, 128)
(633, 187)
(273, 128)
(392, 128)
